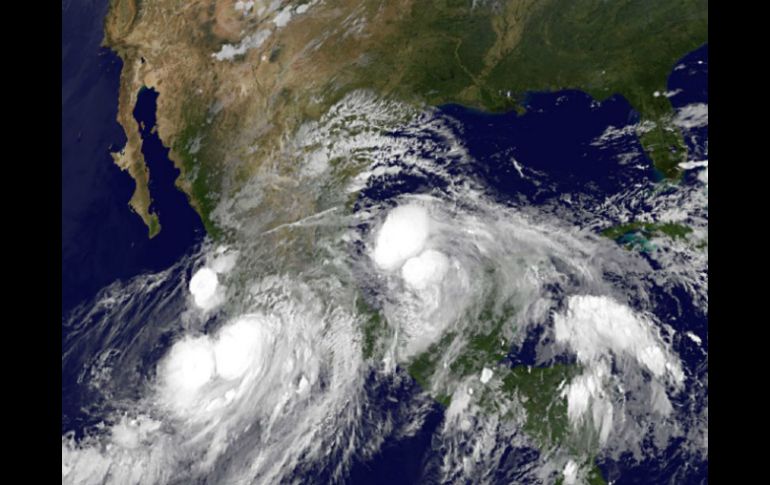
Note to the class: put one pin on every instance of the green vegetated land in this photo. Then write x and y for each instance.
(201, 178)
(484, 55)
(603, 48)
(649, 229)
(489, 57)
(536, 388)
(639, 233)
(484, 343)
(446, 51)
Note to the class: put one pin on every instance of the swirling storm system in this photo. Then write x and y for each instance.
(430, 294)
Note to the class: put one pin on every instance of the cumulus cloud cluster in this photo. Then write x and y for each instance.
(275, 375)
(427, 268)
(402, 236)
(205, 287)
(407, 249)
(596, 328)
(197, 374)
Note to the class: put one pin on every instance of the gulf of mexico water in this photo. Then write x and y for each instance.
(554, 155)
(530, 159)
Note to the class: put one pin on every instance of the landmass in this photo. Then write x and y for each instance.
(234, 78)
(508, 391)
(638, 234)
(648, 229)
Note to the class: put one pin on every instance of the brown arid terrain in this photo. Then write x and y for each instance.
(236, 79)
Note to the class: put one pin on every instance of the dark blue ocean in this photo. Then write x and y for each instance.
(103, 241)
(555, 136)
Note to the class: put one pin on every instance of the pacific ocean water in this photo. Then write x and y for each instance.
(555, 136)
(103, 241)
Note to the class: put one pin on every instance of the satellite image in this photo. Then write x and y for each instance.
(384, 242)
